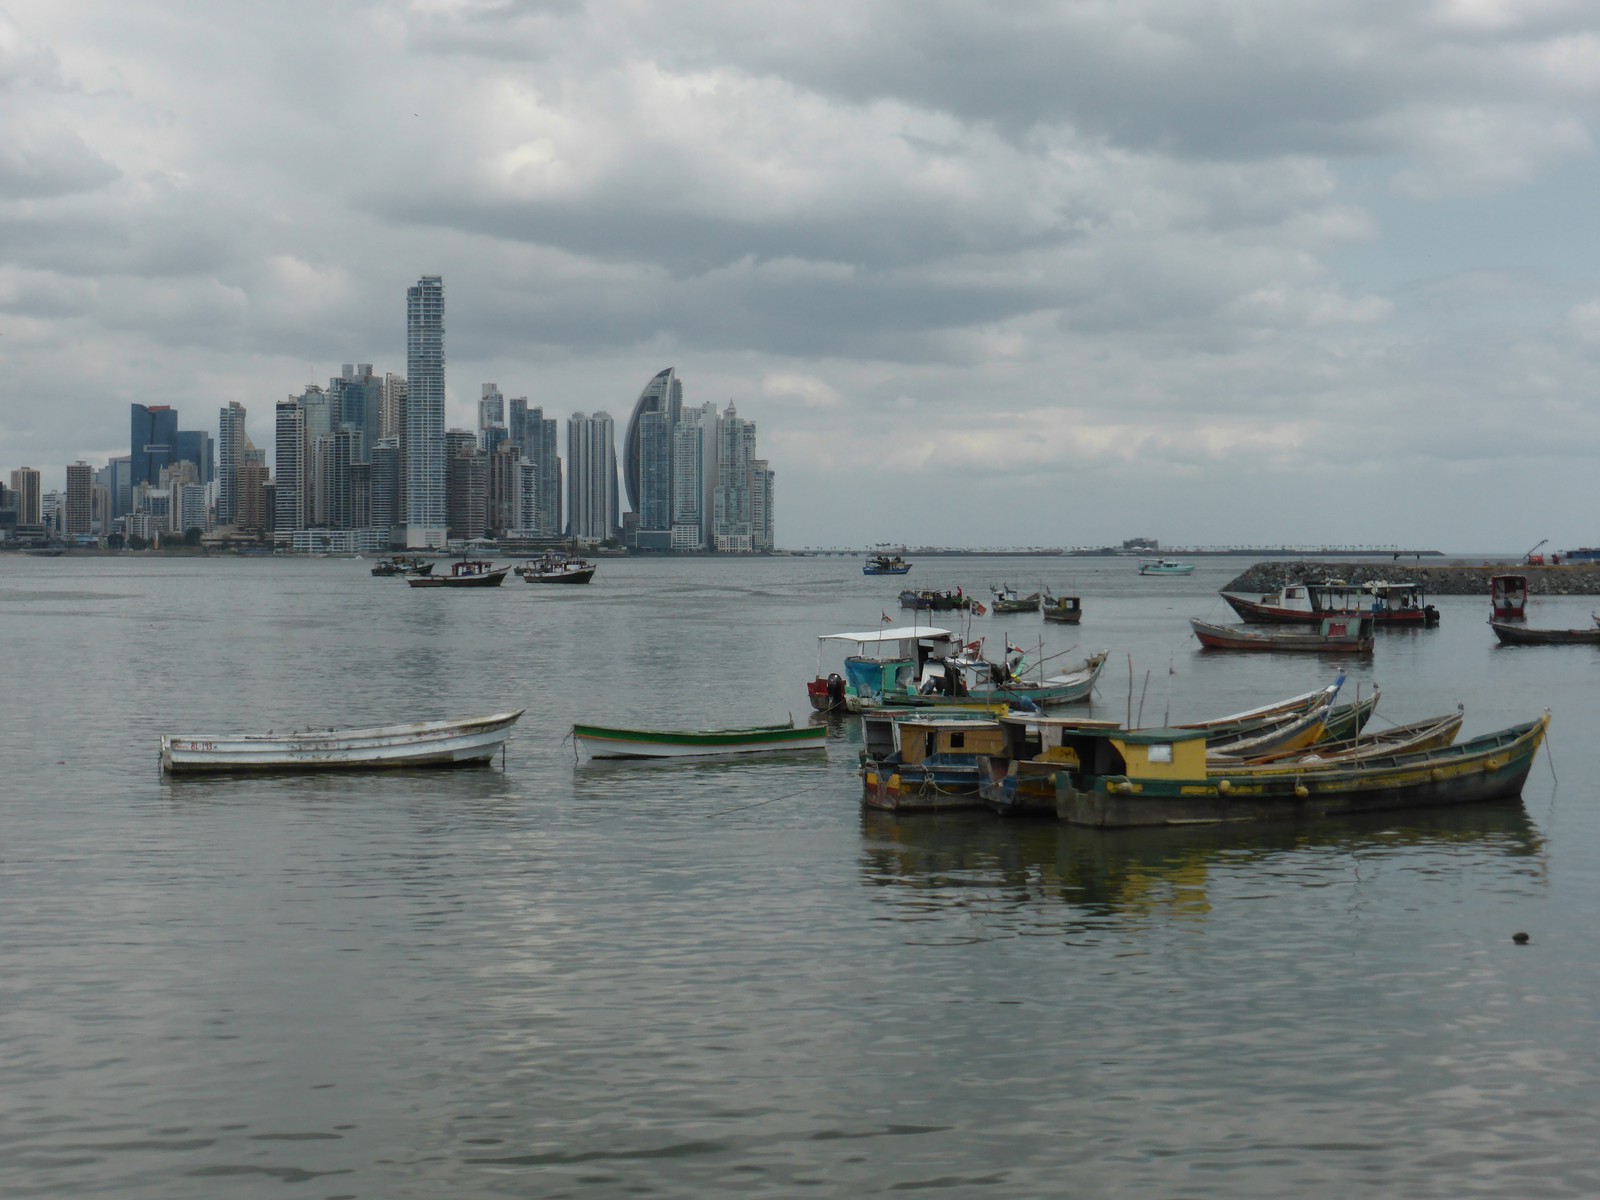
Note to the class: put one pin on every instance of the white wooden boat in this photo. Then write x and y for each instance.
(602, 741)
(447, 743)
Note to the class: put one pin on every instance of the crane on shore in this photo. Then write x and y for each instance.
(1532, 559)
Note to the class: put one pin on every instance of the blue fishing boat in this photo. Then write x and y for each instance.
(884, 564)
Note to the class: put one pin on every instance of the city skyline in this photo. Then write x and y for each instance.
(365, 464)
(1107, 270)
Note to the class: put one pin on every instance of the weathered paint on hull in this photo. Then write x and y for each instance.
(1428, 781)
(423, 744)
(1256, 613)
(916, 790)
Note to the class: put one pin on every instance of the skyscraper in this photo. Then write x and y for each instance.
(198, 447)
(78, 515)
(733, 516)
(425, 449)
(591, 477)
(250, 510)
(385, 484)
(25, 483)
(358, 403)
(491, 415)
(663, 394)
(231, 442)
(694, 477)
(542, 448)
(761, 501)
(291, 474)
(152, 441)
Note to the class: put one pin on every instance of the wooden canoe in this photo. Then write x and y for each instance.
(447, 743)
(605, 741)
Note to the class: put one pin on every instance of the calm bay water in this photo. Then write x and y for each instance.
(594, 980)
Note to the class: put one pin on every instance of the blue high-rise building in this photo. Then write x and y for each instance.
(152, 442)
(197, 446)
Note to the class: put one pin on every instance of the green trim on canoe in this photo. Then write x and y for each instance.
(703, 737)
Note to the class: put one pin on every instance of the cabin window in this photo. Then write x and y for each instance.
(958, 741)
(1161, 752)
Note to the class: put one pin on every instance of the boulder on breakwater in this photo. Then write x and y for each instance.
(1457, 579)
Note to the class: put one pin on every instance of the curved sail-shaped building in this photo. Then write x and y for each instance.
(647, 448)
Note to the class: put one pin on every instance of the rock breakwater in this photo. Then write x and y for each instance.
(1456, 579)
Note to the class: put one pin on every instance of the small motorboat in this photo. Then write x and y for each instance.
(1166, 566)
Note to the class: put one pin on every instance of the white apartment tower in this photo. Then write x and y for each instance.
(424, 434)
(591, 477)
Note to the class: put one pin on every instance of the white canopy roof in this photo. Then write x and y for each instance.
(873, 637)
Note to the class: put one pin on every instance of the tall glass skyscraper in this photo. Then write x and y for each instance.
(291, 467)
(231, 441)
(152, 442)
(591, 477)
(647, 452)
(425, 448)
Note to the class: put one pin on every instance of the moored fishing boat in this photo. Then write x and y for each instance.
(1331, 635)
(1009, 600)
(1523, 635)
(608, 741)
(934, 600)
(1022, 778)
(556, 568)
(962, 682)
(1062, 610)
(885, 564)
(925, 763)
(1308, 603)
(445, 743)
(464, 572)
(885, 660)
(402, 564)
(1159, 777)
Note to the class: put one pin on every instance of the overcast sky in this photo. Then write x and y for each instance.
(983, 274)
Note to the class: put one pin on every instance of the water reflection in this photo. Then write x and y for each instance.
(957, 860)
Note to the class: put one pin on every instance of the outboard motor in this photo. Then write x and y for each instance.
(835, 689)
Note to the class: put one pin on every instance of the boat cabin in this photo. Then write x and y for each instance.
(1087, 748)
(882, 732)
(1508, 595)
(885, 660)
(1400, 603)
(928, 740)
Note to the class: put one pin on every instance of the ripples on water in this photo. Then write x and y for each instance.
(596, 979)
